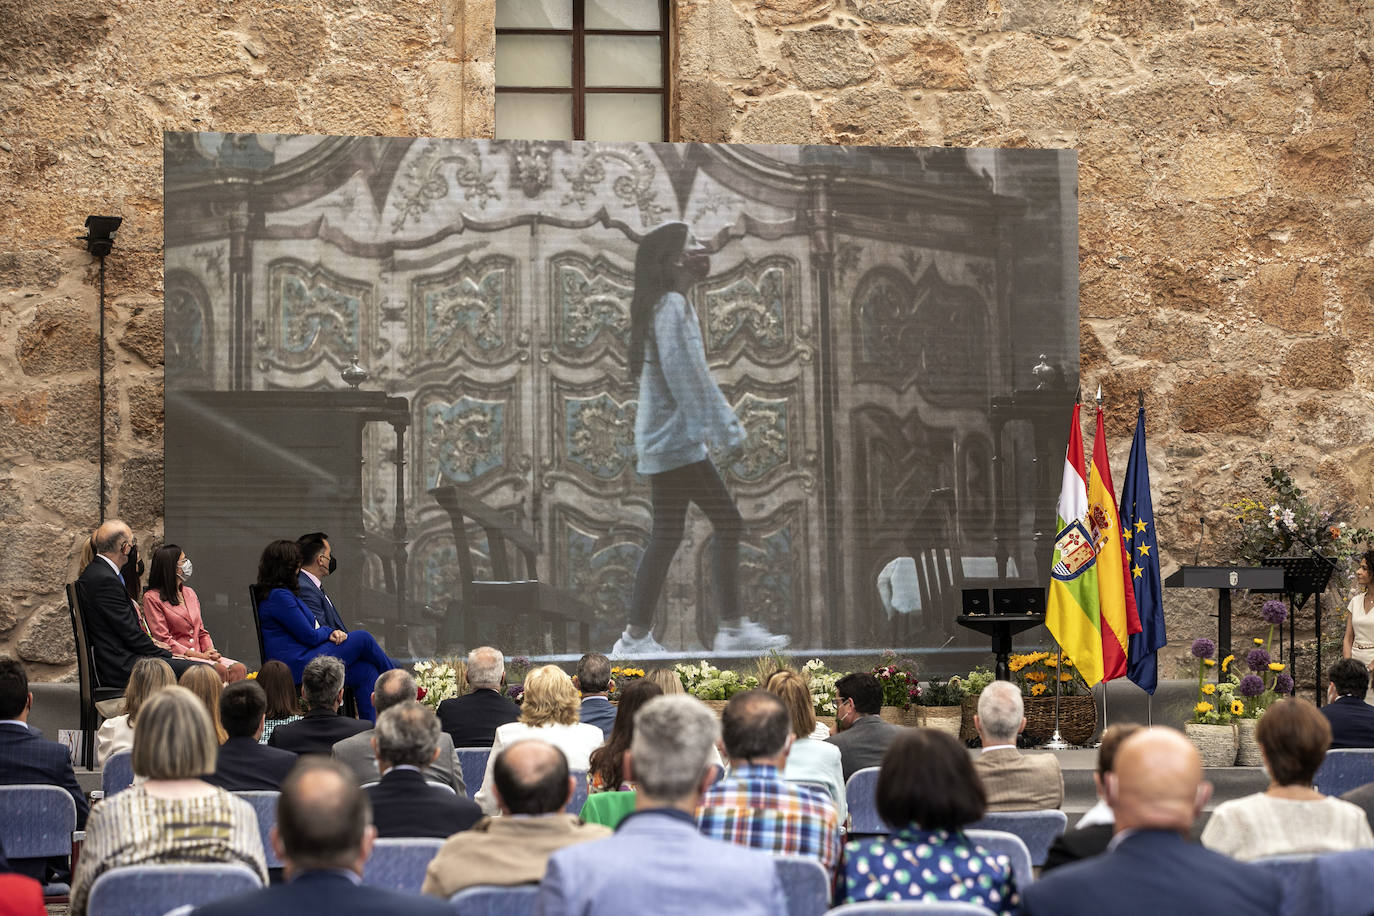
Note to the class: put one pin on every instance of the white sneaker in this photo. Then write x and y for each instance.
(748, 636)
(629, 647)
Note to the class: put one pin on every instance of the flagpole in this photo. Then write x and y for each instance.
(1057, 743)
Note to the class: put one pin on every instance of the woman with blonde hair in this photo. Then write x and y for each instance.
(173, 816)
(148, 676)
(811, 759)
(667, 680)
(549, 711)
(204, 682)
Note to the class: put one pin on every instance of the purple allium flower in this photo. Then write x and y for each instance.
(1274, 611)
(516, 692)
(1257, 659)
(1252, 685)
(1283, 684)
(1203, 648)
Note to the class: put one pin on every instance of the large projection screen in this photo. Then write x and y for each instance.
(895, 330)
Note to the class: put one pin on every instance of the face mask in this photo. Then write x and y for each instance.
(185, 568)
(333, 565)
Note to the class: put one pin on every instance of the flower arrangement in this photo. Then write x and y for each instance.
(824, 699)
(624, 677)
(942, 693)
(437, 681)
(1216, 703)
(1286, 522)
(976, 680)
(1268, 680)
(707, 682)
(898, 678)
(1036, 673)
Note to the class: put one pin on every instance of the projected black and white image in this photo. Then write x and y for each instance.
(564, 396)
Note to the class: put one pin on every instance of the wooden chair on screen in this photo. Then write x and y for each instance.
(930, 541)
(507, 595)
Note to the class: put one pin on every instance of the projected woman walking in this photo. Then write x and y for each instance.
(680, 410)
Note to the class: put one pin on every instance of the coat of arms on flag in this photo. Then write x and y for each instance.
(1076, 552)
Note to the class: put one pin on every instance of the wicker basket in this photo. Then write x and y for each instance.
(968, 707)
(1077, 719)
(1247, 748)
(900, 715)
(943, 718)
(1216, 744)
(717, 706)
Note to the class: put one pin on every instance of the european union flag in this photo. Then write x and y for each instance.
(1138, 531)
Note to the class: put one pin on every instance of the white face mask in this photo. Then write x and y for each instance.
(185, 568)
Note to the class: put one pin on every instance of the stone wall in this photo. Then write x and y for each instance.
(1226, 223)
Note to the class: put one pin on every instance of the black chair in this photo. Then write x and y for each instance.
(91, 691)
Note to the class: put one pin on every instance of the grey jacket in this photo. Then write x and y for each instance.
(356, 754)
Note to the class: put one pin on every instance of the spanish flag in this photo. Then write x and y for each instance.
(1073, 615)
(1117, 595)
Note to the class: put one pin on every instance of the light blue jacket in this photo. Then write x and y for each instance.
(681, 408)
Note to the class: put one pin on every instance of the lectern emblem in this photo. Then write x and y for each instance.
(1235, 577)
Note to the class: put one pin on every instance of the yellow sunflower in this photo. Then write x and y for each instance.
(1237, 708)
(1209, 689)
(1203, 707)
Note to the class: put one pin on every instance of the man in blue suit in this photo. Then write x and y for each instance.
(657, 862)
(27, 758)
(317, 562)
(1155, 791)
(324, 836)
(594, 680)
(1351, 718)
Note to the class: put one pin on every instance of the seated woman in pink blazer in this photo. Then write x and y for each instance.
(172, 612)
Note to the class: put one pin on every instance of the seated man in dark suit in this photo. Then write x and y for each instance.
(114, 625)
(406, 739)
(863, 736)
(1093, 831)
(321, 727)
(593, 680)
(1351, 718)
(324, 836)
(1150, 868)
(244, 764)
(396, 686)
(472, 720)
(317, 562)
(27, 758)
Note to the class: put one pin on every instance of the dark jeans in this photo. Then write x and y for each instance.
(670, 493)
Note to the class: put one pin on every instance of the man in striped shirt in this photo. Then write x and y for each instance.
(755, 806)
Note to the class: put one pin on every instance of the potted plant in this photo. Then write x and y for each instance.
(1266, 681)
(1037, 673)
(939, 705)
(712, 685)
(1210, 728)
(974, 682)
(901, 688)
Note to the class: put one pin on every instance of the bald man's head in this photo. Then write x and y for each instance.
(532, 777)
(323, 818)
(110, 539)
(1156, 782)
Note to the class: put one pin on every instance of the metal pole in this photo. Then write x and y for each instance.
(1057, 743)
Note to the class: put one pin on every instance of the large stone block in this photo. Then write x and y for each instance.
(1260, 106)
(780, 119)
(48, 637)
(1225, 50)
(1164, 338)
(966, 117)
(140, 492)
(29, 269)
(143, 333)
(1306, 53)
(9, 615)
(965, 14)
(288, 40)
(1062, 18)
(925, 62)
(1187, 286)
(1316, 364)
(893, 12)
(1288, 296)
(826, 58)
(791, 12)
(1144, 18)
(1092, 356)
(1320, 161)
(61, 337)
(1219, 404)
(714, 38)
(257, 106)
(36, 35)
(1212, 168)
(59, 423)
(13, 499)
(1020, 62)
(1110, 163)
(1173, 102)
(1343, 94)
(879, 117)
(145, 410)
(705, 111)
(72, 493)
(355, 99)
(34, 561)
(1328, 425)
(1099, 60)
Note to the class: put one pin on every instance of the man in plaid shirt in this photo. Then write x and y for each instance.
(755, 806)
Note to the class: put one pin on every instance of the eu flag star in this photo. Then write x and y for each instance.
(1126, 535)
(1144, 550)
(1137, 572)
(1139, 524)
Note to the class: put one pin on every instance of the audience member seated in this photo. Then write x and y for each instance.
(532, 786)
(811, 759)
(321, 727)
(547, 712)
(406, 740)
(606, 765)
(593, 680)
(27, 758)
(656, 856)
(1350, 717)
(1155, 791)
(117, 734)
(471, 720)
(173, 614)
(291, 633)
(668, 681)
(396, 686)
(115, 630)
(863, 736)
(1093, 832)
(324, 837)
(243, 764)
(754, 806)
(283, 700)
(317, 563)
(1290, 817)
(173, 816)
(207, 686)
(1013, 781)
(928, 791)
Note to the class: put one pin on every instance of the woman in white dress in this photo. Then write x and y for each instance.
(812, 759)
(1359, 625)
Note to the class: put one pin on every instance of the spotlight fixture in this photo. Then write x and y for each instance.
(99, 237)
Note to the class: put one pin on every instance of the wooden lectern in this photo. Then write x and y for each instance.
(1223, 579)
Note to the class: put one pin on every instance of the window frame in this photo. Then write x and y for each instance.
(578, 90)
